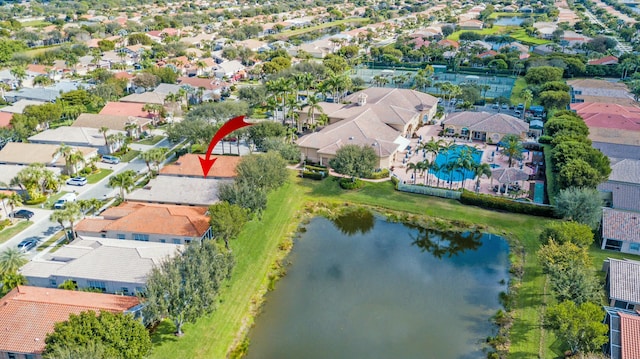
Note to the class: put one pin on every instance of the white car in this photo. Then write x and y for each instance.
(77, 181)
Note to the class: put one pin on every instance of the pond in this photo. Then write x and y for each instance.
(362, 287)
(509, 21)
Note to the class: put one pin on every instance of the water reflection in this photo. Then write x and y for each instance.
(355, 220)
(448, 244)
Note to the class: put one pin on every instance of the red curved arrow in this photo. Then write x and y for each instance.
(233, 124)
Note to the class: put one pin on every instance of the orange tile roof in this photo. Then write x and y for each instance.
(41, 69)
(125, 109)
(189, 165)
(27, 313)
(123, 75)
(5, 119)
(630, 335)
(136, 217)
(604, 107)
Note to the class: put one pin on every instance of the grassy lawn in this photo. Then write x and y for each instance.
(257, 249)
(8, 233)
(51, 241)
(520, 35)
(35, 23)
(152, 140)
(39, 50)
(49, 202)
(516, 92)
(488, 31)
(97, 177)
(289, 33)
(127, 157)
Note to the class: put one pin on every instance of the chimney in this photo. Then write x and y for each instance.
(362, 99)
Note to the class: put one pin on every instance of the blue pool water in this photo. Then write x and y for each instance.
(494, 165)
(452, 156)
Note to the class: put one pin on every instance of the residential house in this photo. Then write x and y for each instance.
(76, 137)
(109, 265)
(622, 188)
(149, 223)
(20, 105)
(21, 153)
(113, 122)
(29, 313)
(186, 191)
(33, 94)
(484, 126)
(233, 70)
(253, 45)
(487, 54)
(605, 61)
(622, 283)
(130, 109)
(624, 331)
(471, 25)
(621, 230)
(449, 44)
(144, 98)
(378, 117)
(188, 165)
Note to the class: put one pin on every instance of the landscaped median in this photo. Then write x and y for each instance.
(263, 244)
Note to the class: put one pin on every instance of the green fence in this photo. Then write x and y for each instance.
(429, 191)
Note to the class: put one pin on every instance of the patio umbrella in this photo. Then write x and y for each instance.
(507, 175)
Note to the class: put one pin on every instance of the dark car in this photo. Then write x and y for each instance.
(27, 245)
(23, 213)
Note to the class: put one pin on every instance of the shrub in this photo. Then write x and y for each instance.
(36, 200)
(313, 175)
(395, 181)
(545, 139)
(384, 173)
(505, 204)
(348, 183)
(4, 223)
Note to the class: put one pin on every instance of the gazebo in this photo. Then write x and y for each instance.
(508, 175)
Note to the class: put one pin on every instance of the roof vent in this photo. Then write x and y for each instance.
(362, 99)
(351, 137)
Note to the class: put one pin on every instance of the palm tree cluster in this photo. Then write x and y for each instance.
(457, 161)
(284, 94)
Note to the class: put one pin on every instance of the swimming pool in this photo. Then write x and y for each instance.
(494, 165)
(451, 156)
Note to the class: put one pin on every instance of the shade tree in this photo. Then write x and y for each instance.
(354, 161)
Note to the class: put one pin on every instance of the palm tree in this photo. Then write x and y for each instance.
(423, 168)
(74, 158)
(465, 161)
(87, 204)
(132, 129)
(11, 260)
(103, 130)
(411, 166)
(71, 213)
(512, 147)
(13, 200)
(124, 181)
(433, 147)
(313, 104)
(479, 170)
(64, 151)
(19, 72)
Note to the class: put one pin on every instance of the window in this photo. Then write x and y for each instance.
(187, 241)
(94, 284)
(163, 240)
(121, 236)
(177, 241)
(29, 356)
(141, 237)
(124, 290)
(53, 283)
(12, 355)
(634, 247)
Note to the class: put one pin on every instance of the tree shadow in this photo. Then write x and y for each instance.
(163, 332)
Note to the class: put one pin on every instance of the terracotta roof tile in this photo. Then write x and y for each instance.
(189, 165)
(125, 109)
(152, 219)
(630, 335)
(27, 313)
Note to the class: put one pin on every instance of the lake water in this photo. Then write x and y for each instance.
(362, 287)
(509, 21)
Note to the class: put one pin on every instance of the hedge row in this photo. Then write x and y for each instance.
(348, 183)
(384, 173)
(313, 175)
(505, 204)
(4, 223)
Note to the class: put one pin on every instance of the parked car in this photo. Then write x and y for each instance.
(495, 106)
(27, 245)
(110, 159)
(77, 181)
(62, 201)
(520, 107)
(23, 213)
(504, 106)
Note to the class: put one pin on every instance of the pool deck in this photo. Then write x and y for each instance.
(431, 131)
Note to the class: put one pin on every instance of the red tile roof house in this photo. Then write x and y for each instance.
(188, 165)
(149, 223)
(28, 314)
(125, 109)
(607, 60)
(624, 333)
